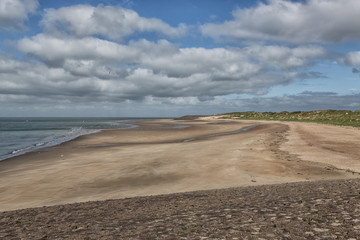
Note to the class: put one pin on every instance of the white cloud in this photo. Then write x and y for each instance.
(143, 68)
(79, 65)
(324, 21)
(55, 50)
(351, 59)
(109, 21)
(280, 57)
(224, 64)
(13, 13)
(87, 54)
(80, 83)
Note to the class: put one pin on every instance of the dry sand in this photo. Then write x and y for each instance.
(153, 159)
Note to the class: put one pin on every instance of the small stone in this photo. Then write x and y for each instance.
(271, 215)
(335, 224)
(320, 229)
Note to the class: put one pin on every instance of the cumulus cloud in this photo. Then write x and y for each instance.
(109, 21)
(80, 58)
(13, 13)
(55, 50)
(140, 69)
(160, 69)
(322, 21)
(119, 81)
(351, 59)
(281, 57)
(224, 64)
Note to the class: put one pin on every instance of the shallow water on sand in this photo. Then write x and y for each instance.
(220, 134)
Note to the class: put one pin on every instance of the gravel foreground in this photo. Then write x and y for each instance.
(307, 210)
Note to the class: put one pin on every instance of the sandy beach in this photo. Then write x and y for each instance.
(170, 156)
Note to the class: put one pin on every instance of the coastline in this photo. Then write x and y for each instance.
(152, 160)
(25, 135)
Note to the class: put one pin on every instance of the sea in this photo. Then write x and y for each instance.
(22, 135)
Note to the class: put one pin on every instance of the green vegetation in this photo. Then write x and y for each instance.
(335, 117)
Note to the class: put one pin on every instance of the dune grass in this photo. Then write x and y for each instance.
(334, 117)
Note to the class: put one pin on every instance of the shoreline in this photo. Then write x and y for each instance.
(24, 151)
(65, 136)
(68, 134)
(150, 160)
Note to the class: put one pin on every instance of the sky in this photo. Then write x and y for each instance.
(161, 58)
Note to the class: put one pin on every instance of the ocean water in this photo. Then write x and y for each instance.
(21, 135)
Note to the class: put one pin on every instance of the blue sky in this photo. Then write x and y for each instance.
(169, 58)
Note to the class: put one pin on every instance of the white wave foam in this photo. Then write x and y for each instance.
(35, 139)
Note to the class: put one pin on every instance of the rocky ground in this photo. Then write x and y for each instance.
(308, 210)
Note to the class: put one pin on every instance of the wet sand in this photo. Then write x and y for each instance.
(154, 159)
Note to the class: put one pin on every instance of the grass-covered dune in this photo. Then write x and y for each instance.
(336, 117)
